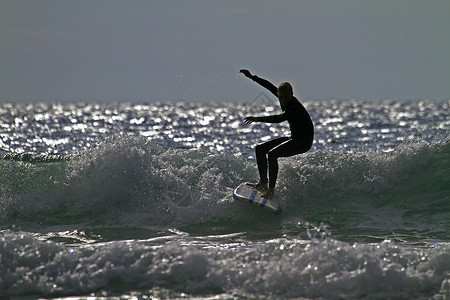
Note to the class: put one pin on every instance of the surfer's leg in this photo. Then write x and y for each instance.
(286, 149)
(261, 156)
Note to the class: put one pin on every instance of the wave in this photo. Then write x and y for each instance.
(280, 268)
(129, 180)
(32, 158)
(406, 189)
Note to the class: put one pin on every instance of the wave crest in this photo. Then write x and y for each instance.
(130, 179)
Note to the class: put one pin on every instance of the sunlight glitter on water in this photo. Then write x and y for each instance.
(217, 127)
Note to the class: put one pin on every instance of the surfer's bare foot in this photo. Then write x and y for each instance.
(269, 194)
(259, 186)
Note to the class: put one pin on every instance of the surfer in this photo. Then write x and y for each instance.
(300, 141)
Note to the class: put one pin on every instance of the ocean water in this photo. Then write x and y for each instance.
(134, 201)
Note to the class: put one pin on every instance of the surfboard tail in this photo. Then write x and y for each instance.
(278, 211)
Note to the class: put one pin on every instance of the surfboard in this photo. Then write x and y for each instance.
(246, 193)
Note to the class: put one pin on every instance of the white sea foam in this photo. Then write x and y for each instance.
(279, 268)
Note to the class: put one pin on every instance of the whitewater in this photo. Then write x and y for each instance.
(134, 201)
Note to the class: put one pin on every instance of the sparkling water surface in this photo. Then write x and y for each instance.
(46, 128)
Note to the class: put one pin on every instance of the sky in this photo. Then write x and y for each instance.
(168, 50)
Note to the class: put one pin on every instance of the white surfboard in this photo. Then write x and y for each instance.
(246, 193)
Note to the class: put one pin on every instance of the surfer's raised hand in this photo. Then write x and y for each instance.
(249, 120)
(246, 73)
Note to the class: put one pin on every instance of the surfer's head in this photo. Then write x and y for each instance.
(285, 93)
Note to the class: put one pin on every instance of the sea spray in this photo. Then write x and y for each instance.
(130, 175)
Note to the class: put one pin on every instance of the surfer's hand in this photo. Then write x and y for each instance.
(246, 73)
(249, 120)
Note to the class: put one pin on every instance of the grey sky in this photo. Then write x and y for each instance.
(110, 50)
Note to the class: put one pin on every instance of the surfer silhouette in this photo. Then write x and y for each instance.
(300, 141)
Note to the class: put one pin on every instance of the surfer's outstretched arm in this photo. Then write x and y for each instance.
(263, 82)
(266, 119)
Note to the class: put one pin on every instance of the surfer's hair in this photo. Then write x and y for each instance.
(285, 89)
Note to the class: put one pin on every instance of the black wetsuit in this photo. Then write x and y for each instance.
(300, 141)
